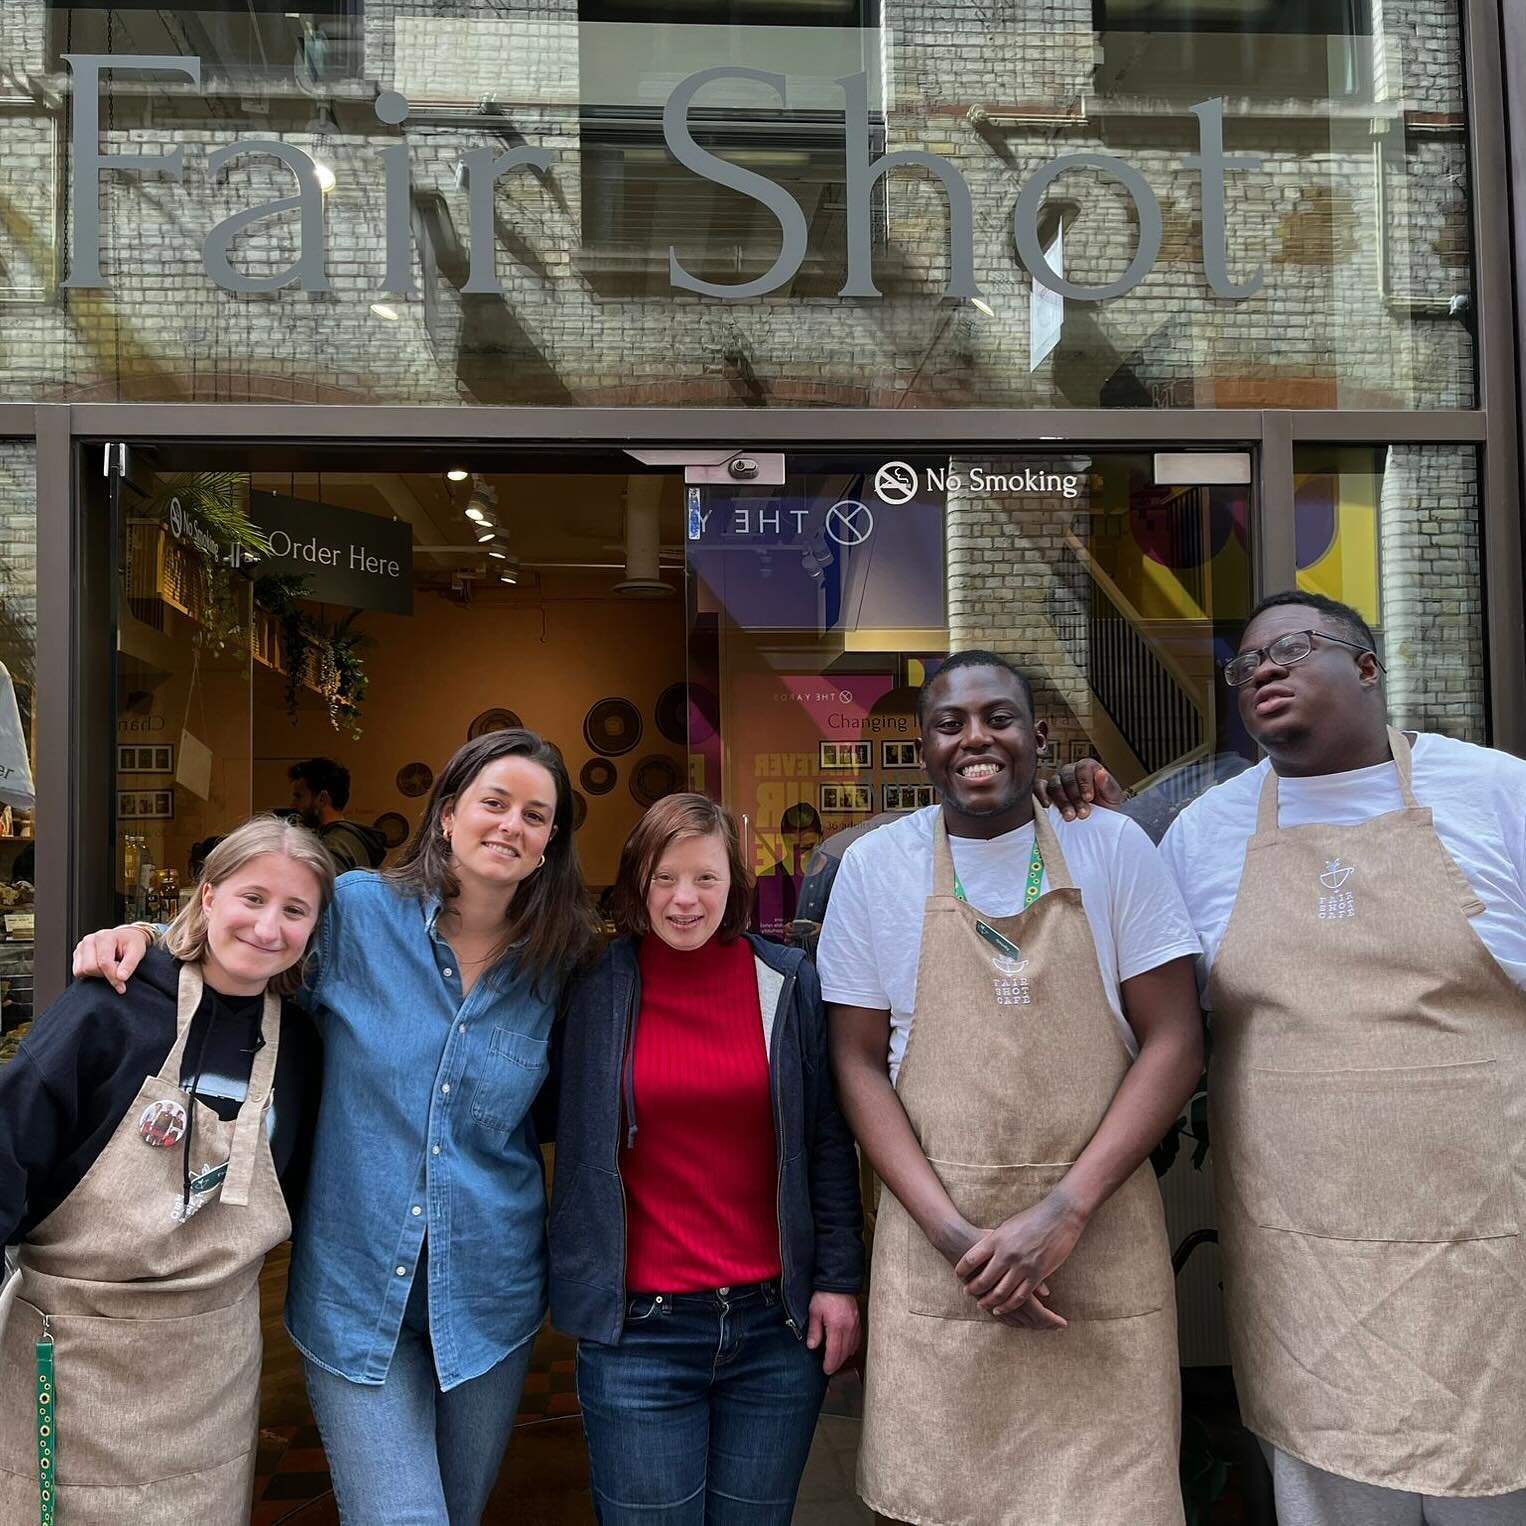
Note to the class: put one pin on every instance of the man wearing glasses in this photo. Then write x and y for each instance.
(1361, 900)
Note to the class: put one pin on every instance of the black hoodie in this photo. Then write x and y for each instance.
(78, 1071)
(353, 845)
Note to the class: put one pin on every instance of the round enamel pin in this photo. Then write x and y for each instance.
(162, 1124)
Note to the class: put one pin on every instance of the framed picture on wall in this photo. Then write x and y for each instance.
(899, 755)
(1079, 750)
(146, 804)
(846, 755)
(138, 758)
(909, 797)
(846, 799)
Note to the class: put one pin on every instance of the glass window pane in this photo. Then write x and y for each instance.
(1396, 532)
(1231, 205)
(817, 607)
(18, 756)
(183, 686)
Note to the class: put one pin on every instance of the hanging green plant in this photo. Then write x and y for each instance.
(342, 675)
(203, 513)
(280, 596)
(332, 657)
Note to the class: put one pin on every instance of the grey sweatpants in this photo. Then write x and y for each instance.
(1308, 1496)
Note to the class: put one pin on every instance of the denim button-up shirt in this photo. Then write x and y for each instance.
(424, 1128)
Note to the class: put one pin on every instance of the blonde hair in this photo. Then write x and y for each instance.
(186, 936)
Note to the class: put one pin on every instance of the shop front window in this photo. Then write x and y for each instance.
(1396, 531)
(642, 203)
(18, 755)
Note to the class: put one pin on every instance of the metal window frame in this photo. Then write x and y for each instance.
(72, 843)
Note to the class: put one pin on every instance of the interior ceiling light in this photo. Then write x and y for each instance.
(487, 535)
(508, 576)
(982, 306)
(457, 474)
(502, 556)
(385, 310)
(474, 512)
(326, 179)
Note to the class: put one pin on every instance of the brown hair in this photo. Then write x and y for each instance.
(550, 920)
(186, 936)
(674, 817)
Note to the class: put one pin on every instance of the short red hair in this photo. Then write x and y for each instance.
(674, 817)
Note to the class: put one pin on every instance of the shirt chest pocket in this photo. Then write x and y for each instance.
(507, 1078)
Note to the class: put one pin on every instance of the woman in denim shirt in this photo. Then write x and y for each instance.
(705, 1215)
(418, 1276)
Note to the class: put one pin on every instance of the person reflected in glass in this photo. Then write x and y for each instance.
(418, 1276)
(710, 1276)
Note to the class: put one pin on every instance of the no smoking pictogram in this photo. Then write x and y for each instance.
(896, 483)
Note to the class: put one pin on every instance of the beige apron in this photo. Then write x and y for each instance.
(1009, 1068)
(1368, 1111)
(155, 1317)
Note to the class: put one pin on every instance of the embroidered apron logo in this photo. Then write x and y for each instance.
(1010, 988)
(162, 1124)
(1340, 904)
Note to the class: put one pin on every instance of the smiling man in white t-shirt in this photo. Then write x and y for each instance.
(1361, 898)
(1027, 984)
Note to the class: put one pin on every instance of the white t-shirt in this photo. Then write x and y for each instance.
(1477, 797)
(871, 941)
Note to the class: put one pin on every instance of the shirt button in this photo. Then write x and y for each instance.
(447, 973)
(446, 1087)
(435, 1151)
(417, 1210)
(460, 1027)
(402, 1271)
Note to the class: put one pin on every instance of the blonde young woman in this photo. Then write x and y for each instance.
(151, 1138)
(418, 1276)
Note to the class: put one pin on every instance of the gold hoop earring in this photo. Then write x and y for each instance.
(542, 863)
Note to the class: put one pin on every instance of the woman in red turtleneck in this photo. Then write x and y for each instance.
(710, 1276)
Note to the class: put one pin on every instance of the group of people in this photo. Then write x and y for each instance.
(1006, 1021)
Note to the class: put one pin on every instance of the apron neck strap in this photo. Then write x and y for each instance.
(1398, 743)
(944, 878)
(1404, 765)
(187, 999)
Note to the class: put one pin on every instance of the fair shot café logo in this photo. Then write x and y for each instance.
(482, 168)
(896, 483)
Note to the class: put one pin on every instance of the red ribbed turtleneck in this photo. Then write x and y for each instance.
(700, 1182)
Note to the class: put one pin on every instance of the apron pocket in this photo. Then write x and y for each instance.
(1120, 1268)
(139, 1400)
(1410, 1154)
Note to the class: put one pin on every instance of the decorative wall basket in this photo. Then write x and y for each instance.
(653, 777)
(493, 720)
(597, 776)
(414, 779)
(612, 727)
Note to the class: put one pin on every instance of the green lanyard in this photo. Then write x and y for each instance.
(47, 1425)
(1035, 877)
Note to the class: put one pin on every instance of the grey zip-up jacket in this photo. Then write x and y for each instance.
(820, 1215)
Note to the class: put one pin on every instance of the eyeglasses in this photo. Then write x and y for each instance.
(1285, 651)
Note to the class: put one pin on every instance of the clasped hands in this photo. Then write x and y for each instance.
(1005, 1269)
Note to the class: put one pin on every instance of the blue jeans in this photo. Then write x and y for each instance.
(703, 1414)
(401, 1453)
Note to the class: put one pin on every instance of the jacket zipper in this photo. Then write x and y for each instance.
(627, 1059)
(781, 1016)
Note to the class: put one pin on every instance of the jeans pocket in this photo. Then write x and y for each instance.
(643, 1306)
